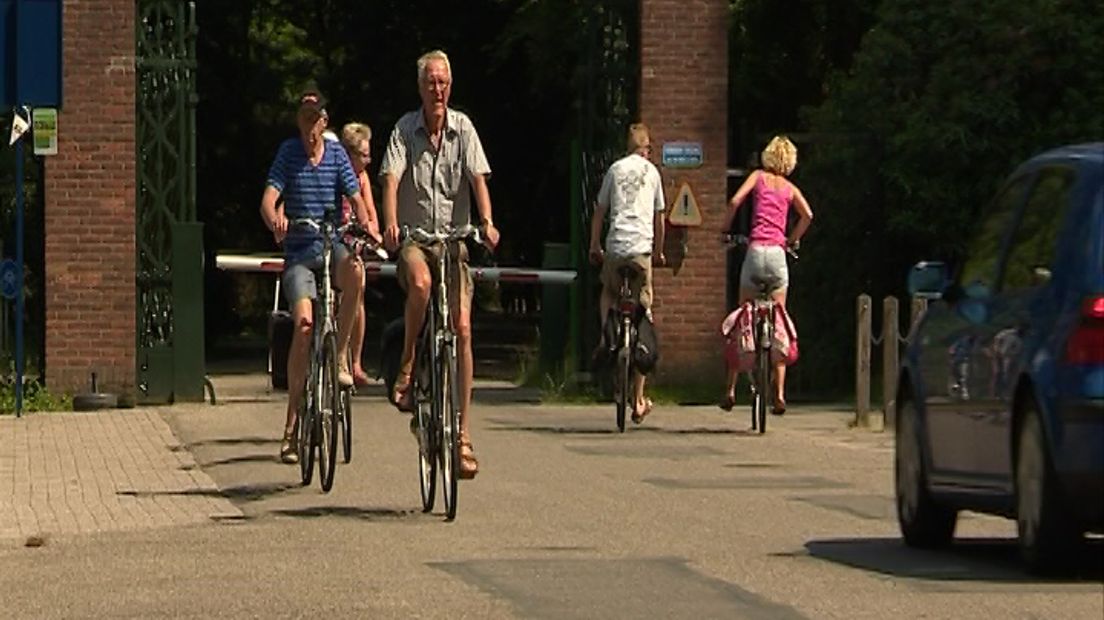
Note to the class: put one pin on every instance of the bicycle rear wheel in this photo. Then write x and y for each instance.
(624, 377)
(345, 421)
(448, 404)
(763, 376)
(327, 414)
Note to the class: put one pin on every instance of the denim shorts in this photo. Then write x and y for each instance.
(764, 262)
(298, 280)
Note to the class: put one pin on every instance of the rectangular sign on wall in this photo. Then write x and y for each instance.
(44, 129)
(682, 154)
(30, 52)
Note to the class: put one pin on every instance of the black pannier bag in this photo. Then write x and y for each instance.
(645, 351)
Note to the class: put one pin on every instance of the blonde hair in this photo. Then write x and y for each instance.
(352, 134)
(639, 137)
(425, 59)
(780, 156)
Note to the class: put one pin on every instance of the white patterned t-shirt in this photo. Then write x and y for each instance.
(633, 192)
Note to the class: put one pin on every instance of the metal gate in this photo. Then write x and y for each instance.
(609, 103)
(169, 239)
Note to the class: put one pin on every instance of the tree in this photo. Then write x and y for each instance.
(942, 100)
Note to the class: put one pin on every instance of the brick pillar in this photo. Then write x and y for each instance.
(90, 204)
(683, 97)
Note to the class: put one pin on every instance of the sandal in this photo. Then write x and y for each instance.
(289, 451)
(469, 466)
(779, 407)
(360, 378)
(638, 417)
(728, 403)
(401, 394)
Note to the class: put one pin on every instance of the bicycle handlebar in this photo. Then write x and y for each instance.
(736, 240)
(420, 235)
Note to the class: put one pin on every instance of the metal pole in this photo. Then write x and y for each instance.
(19, 278)
(18, 232)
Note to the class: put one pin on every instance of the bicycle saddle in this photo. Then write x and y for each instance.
(766, 283)
(628, 271)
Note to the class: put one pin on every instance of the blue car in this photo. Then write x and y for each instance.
(1000, 405)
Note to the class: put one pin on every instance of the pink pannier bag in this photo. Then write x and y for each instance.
(738, 329)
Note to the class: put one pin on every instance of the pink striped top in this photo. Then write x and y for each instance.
(768, 221)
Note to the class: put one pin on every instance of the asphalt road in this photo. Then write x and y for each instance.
(685, 516)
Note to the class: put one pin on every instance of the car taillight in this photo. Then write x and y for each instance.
(1086, 344)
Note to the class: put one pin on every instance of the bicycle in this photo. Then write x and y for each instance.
(624, 392)
(322, 402)
(367, 248)
(763, 324)
(435, 381)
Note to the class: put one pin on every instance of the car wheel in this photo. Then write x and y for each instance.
(924, 522)
(1045, 533)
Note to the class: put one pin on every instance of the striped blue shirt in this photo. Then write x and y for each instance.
(310, 192)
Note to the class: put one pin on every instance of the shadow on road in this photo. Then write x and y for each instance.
(240, 493)
(611, 430)
(247, 458)
(967, 560)
(233, 441)
(349, 512)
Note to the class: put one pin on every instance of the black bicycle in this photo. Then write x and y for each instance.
(435, 380)
(624, 387)
(367, 249)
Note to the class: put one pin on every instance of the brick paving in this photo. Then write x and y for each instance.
(80, 473)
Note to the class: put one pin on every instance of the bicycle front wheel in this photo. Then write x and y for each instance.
(326, 423)
(305, 430)
(448, 402)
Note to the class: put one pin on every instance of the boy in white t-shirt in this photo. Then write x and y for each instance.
(632, 193)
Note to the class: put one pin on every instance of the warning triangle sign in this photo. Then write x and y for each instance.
(684, 210)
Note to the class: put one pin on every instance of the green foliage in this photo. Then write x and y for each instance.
(35, 396)
(940, 102)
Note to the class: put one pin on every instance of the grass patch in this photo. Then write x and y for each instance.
(35, 397)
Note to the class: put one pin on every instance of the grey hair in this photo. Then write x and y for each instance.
(433, 55)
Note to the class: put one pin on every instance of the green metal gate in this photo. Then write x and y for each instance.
(169, 239)
(609, 103)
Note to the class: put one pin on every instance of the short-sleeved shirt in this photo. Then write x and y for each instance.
(434, 184)
(632, 190)
(310, 191)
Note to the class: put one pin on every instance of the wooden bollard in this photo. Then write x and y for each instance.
(862, 361)
(890, 359)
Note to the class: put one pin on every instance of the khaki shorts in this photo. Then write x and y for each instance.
(411, 252)
(640, 283)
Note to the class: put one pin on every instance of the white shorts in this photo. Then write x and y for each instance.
(765, 264)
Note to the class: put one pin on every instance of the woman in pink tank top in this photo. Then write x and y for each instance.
(766, 256)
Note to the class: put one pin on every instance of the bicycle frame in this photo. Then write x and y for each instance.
(312, 419)
(440, 432)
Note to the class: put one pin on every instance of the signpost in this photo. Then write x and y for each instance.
(30, 75)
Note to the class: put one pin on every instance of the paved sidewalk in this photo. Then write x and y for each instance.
(78, 473)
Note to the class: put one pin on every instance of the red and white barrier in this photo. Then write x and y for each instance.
(275, 264)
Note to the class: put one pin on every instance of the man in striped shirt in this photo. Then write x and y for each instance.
(310, 174)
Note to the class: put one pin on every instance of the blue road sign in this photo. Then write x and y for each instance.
(682, 154)
(9, 278)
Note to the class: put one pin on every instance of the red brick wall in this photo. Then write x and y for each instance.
(90, 204)
(684, 81)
